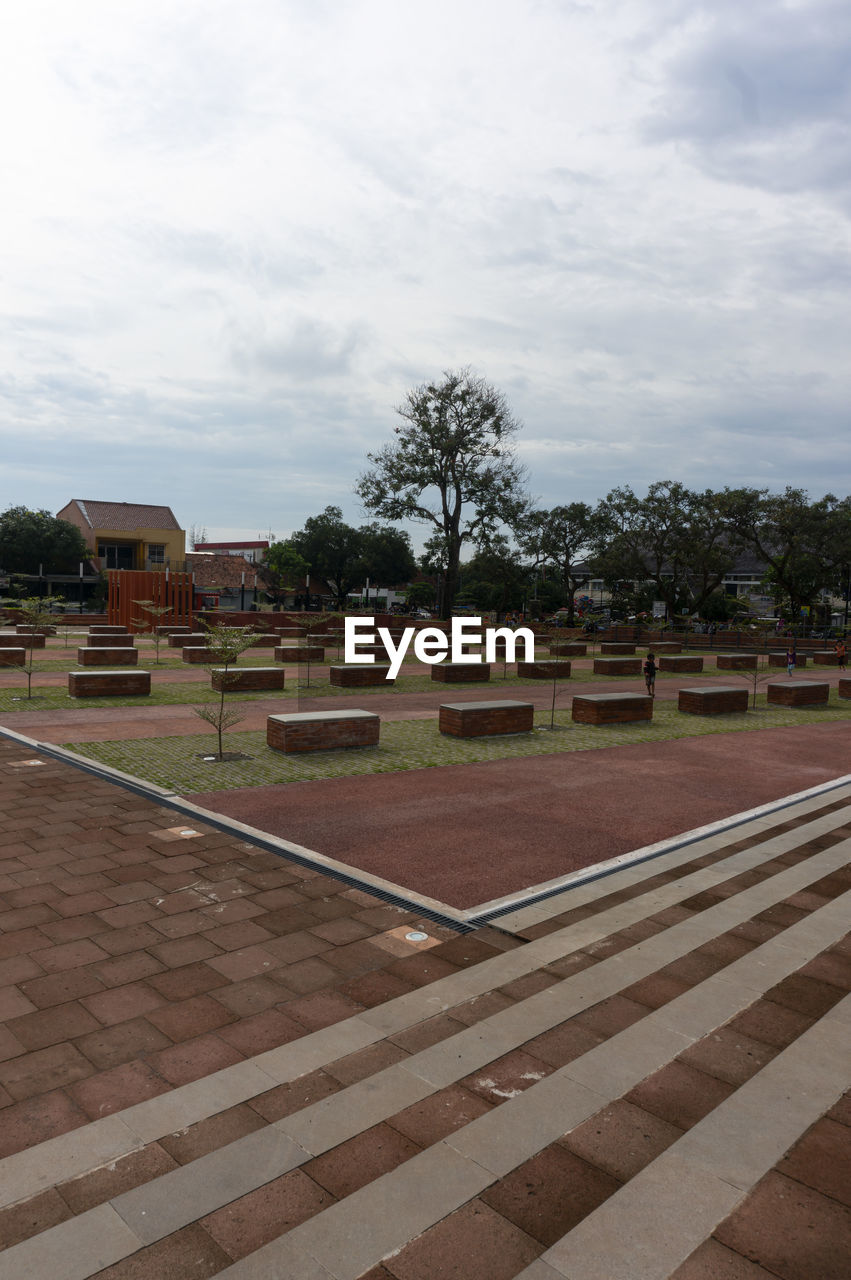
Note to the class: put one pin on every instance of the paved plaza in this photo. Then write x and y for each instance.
(219, 1059)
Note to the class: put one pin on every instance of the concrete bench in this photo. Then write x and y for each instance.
(460, 672)
(617, 646)
(715, 701)
(674, 662)
(177, 639)
(14, 640)
(617, 666)
(844, 687)
(483, 719)
(107, 629)
(299, 653)
(359, 676)
(737, 661)
(248, 679)
(117, 641)
(10, 657)
(825, 658)
(779, 660)
(322, 730)
(567, 648)
(611, 708)
(108, 684)
(548, 669)
(798, 693)
(665, 646)
(199, 654)
(111, 657)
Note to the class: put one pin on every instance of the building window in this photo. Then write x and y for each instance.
(156, 552)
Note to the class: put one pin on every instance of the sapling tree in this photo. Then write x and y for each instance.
(36, 614)
(151, 623)
(225, 645)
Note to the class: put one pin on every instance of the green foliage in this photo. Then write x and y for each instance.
(451, 467)
(226, 644)
(561, 539)
(34, 612)
(285, 567)
(29, 539)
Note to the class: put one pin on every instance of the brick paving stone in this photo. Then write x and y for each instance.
(422, 1035)
(361, 1160)
(474, 1243)
(182, 951)
(130, 967)
(208, 1135)
(189, 1254)
(186, 1019)
(713, 1261)
(52, 1026)
(111, 1046)
(121, 1003)
(13, 1004)
(728, 1055)
(822, 1160)
(43, 1071)
(120, 1087)
(295, 1095)
(548, 1195)
(34, 1120)
(366, 1062)
(321, 1009)
(621, 1139)
(507, 1076)
(262, 1215)
(771, 1023)
(83, 1193)
(793, 1231)
(193, 1059)
(679, 1094)
(22, 1221)
(261, 1032)
(253, 995)
(439, 1114)
(610, 1016)
(805, 995)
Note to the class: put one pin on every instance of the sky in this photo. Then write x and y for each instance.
(234, 235)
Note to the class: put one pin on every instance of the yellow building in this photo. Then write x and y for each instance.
(128, 535)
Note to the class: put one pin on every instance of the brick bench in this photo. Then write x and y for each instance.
(798, 693)
(825, 658)
(14, 640)
(172, 629)
(779, 660)
(322, 730)
(617, 646)
(23, 629)
(10, 657)
(177, 639)
(265, 641)
(108, 657)
(108, 684)
(115, 641)
(665, 646)
(359, 676)
(611, 708)
(198, 653)
(737, 661)
(291, 632)
(617, 666)
(674, 662)
(715, 701)
(483, 719)
(249, 678)
(106, 629)
(567, 648)
(299, 653)
(460, 672)
(545, 670)
(844, 687)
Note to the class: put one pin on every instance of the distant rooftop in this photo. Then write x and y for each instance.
(126, 516)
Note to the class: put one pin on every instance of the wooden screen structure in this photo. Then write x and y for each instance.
(163, 589)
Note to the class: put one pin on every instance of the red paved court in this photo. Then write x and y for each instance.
(467, 834)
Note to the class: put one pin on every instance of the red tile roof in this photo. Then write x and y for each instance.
(215, 573)
(126, 516)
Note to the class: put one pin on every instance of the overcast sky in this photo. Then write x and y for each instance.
(233, 235)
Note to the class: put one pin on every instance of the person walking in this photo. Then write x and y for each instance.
(791, 660)
(839, 649)
(650, 674)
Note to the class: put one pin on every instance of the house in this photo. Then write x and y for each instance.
(128, 535)
(222, 581)
(253, 552)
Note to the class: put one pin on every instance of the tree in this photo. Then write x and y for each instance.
(386, 555)
(37, 614)
(561, 538)
(452, 467)
(494, 578)
(35, 541)
(332, 549)
(284, 567)
(225, 644)
(151, 623)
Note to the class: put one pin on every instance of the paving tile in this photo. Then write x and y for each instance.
(113, 1090)
(44, 1070)
(13, 1004)
(183, 982)
(195, 1101)
(549, 1194)
(360, 1160)
(712, 1261)
(320, 1009)
(110, 1046)
(679, 1094)
(771, 1023)
(22, 1221)
(193, 1059)
(208, 1135)
(337, 1118)
(728, 1055)
(52, 1026)
(33, 1121)
(75, 1249)
(366, 1062)
(261, 1216)
(439, 1114)
(120, 1175)
(295, 1095)
(474, 1236)
(790, 1229)
(621, 1139)
(182, 951)
(422, 1035)
(822, 1160)
(805, 995)
(186, 1255)
(186, 1019)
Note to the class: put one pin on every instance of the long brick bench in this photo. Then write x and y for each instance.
(712, 701)
(23, 629)
(14, 640)
(617, 646)
(460, 672)
(779, 660)
(10, 657)
(666, 646)
(172, 629)
(108, 684)
(611, 708)
(178, 639)
(111, 657)
(116, 641)
(199, 654)
(288, 631)
(107, 629)
(483, 719)
(680, 662)
(265, 641)
(737, 661)
(617, 666)
(359, 676)
(299, 653)
(825, 658)
(545, 670)
(567, 648)
(844, 687)
(798, 693)
(249, 678)
(322, 730)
